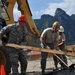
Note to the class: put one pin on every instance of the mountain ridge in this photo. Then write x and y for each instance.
(63, 18)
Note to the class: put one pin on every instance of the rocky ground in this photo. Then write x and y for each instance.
(34, 65)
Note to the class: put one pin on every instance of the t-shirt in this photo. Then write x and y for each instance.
(50, 36)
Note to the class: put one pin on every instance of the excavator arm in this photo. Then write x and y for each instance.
(23, 7)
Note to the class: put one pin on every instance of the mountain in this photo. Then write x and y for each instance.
(73, 17)
(68, 23)
(64, 19)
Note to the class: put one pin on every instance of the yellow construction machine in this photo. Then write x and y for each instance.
(6, 12)
(7, 17)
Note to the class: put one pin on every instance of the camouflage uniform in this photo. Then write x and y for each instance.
(16, 36)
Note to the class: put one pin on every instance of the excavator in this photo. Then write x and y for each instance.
(7, 17)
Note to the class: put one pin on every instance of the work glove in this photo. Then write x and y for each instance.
(47, 47)
(57, 48)
(1, 42)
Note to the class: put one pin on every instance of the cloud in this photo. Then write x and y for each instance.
(67, 5)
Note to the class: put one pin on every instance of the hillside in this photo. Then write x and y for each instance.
(64, 19)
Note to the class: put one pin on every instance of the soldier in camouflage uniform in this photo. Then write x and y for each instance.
(17, 36)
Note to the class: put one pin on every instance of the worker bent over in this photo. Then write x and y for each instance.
(49, 38)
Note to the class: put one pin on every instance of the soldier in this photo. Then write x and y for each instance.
(49, 38)
(61, 44)
(17, 35)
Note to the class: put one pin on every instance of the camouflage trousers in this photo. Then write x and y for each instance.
(18, 55)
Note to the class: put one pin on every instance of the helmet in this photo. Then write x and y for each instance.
(22, 18)
(61, 29)
(56, 24)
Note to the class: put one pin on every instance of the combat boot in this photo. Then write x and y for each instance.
(43, 71)
(23, 74)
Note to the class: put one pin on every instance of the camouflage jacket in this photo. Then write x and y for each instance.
(16, 34)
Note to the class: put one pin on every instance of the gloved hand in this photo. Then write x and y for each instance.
(57, 48)
(47, 47)
(1, 42)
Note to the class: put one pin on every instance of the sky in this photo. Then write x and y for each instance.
(40, 7)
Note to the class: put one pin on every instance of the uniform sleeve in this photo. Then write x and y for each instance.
(27, 37)
(4, 30)
(63, 37)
